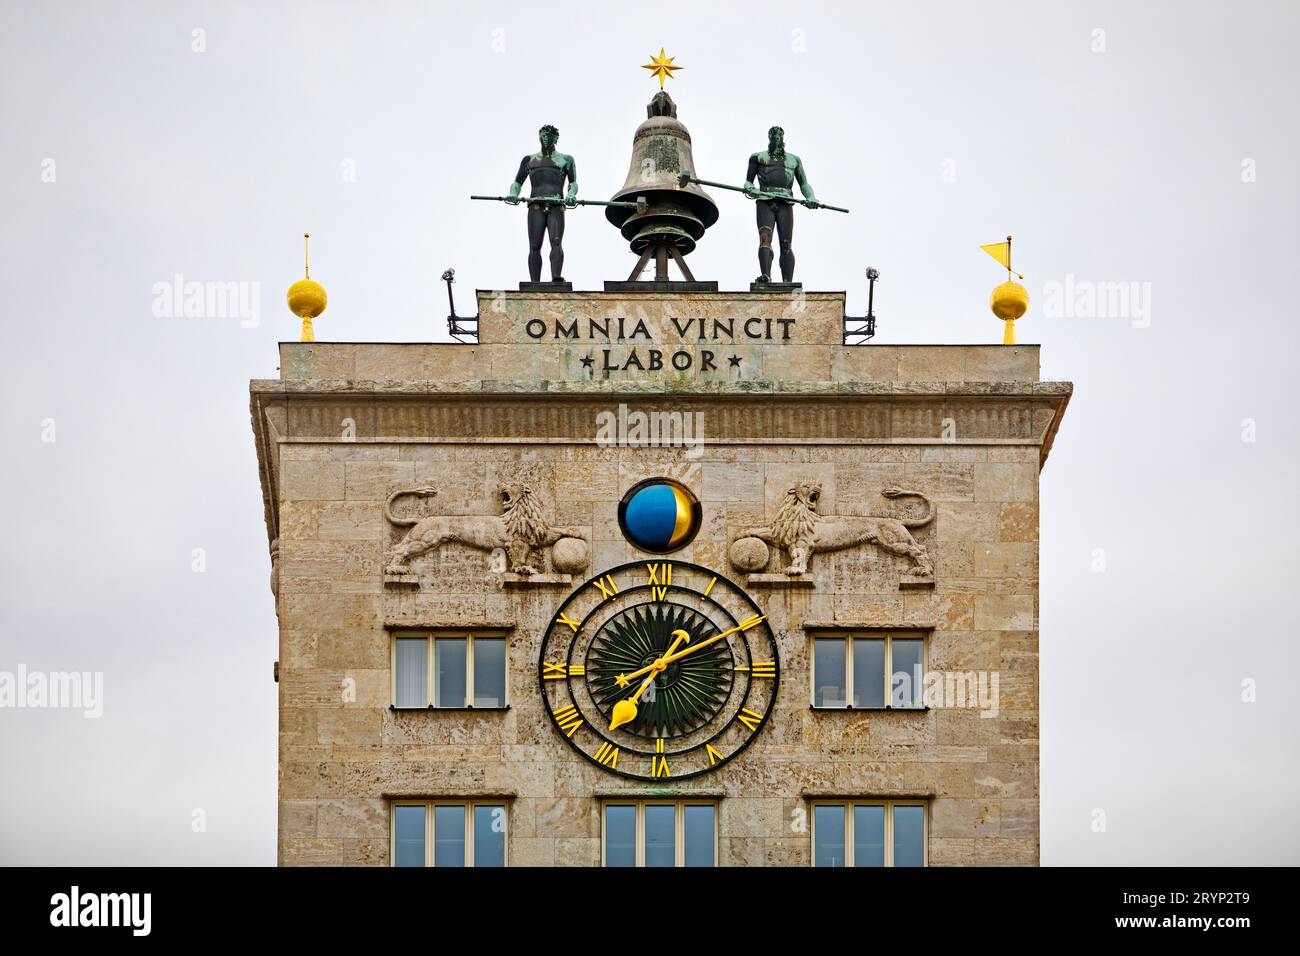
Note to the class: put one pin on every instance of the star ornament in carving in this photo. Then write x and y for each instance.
(734, 361)
(588, 361)
(661, 67)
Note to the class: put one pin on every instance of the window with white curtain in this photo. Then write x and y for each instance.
(452, 670)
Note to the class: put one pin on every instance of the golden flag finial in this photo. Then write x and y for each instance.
(1010, 300)
(662, 67)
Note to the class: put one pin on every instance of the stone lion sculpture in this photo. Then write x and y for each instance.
(802, 530)
(518, 531)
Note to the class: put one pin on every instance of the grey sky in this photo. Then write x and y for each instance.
(943, 126)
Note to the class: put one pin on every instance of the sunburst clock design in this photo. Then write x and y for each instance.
(682, 698)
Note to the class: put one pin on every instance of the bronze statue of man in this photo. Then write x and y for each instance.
(546, 172)
(777, 171)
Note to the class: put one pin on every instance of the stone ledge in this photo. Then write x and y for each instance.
(653, 792)
(443, 794)
(402, 580)
(710, 388)
(908, 582)
(875, 624)
(512, 580)
(443, 623)
(874, 794)
(779, 581)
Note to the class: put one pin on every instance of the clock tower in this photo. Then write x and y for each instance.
(656, 574)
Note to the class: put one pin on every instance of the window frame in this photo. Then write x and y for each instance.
(430, 690)
(848, 805)
(679, 825)
(888, 635)
(430, 805)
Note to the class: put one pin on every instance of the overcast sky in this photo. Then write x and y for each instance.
(1153, 144)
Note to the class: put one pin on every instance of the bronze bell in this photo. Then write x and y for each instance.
(675, 216)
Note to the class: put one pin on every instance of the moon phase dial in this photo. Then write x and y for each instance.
(659, 669)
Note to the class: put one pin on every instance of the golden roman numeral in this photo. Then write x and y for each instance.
(658, 764)
(568, 719)
(750, 719)
(714, 756)
(606, 586)
(562, 619)
(760, 669)
(561, 671)
(660, 573)
(607, 755)
(754, 621)
(710, 587)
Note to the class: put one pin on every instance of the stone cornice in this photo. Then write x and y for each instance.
(745, 388)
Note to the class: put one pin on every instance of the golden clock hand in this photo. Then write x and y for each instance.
(624, 679)
(625, 710)
(742, 626)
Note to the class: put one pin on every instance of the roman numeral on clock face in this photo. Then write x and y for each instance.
(658, 763)
(661, 578)
(606, 585)
(750, 719)
(568, 719)
(573, 625)
(607, 755)
(759, 669)
(714, 756)
(561, 671)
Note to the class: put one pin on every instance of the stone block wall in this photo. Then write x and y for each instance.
(345, 753)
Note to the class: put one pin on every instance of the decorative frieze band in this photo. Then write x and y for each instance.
(766, 418)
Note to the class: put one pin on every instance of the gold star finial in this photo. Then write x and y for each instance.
(662, 67)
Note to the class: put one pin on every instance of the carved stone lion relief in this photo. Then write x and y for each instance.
(802, 530)
(519, 533)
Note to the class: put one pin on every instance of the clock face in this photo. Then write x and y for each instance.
(659, 669)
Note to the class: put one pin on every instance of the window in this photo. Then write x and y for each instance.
(659, 833)
(449, 833)
(868, 670)
(449, 670)
(869, 833)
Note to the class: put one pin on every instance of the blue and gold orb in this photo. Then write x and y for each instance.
(659, 515)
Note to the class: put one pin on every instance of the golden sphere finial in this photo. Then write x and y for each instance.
(306, 298)
(1009, 301)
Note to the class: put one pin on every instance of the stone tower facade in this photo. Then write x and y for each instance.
(463, 492)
